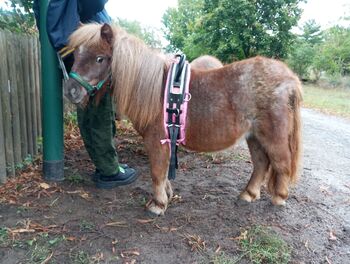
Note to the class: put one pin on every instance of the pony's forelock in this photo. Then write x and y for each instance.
(86, 34)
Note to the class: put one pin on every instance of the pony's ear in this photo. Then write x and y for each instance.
(107, 33)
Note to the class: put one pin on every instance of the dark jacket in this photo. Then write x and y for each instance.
(63, 17)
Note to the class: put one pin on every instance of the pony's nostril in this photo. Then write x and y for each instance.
(75, 93)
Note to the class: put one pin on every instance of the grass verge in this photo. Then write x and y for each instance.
(263, 245)
(331, 101)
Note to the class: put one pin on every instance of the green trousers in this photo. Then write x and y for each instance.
(97, 128)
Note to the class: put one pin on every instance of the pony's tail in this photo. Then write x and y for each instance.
(295, 137)
(294, 142)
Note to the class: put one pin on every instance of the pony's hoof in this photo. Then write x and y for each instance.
(155, 209)
(151, 214)
(278, 200)
(169, 190)
(245, 196)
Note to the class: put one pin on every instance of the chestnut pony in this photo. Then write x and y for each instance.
(257, 98)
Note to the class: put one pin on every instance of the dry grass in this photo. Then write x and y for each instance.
(331, 101)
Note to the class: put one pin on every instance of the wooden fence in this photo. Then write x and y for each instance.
(20, 113)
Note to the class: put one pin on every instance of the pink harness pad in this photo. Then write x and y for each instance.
(183, 107)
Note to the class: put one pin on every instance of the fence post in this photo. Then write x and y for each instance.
(52, 105)
(5, 90)
(3, 173)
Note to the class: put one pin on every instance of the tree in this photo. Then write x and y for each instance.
(334, 55)
(312, 33)
(233, 28)
(180, 23)
(304, 51)
(301, 58)
(18, 16)
(149, 35)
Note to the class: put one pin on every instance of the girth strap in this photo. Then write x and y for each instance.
(176, 93)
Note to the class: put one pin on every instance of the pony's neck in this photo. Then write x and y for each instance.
(138, 79)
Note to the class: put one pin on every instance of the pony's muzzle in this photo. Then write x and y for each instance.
(74, 92)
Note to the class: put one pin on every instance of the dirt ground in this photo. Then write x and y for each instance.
(73, 222)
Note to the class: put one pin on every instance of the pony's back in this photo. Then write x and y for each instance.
(206, 62)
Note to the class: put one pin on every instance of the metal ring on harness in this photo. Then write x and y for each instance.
(189, 97)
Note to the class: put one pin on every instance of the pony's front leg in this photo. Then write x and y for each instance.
(162, 191)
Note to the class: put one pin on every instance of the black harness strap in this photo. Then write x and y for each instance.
(175, 101)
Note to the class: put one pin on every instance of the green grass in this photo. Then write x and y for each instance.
(41, 247)
(332, 101)
(80, 257)
(223, 259)
(4, 237)
(262, 245)
(70, 119)
(75, 178)
(86, 226)
(39, 253)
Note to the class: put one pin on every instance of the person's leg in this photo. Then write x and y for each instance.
(102, 128)
(84, 120)
(97, 126)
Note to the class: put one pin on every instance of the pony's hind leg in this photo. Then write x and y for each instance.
(261, 165)
(279, 179)
(276, 144)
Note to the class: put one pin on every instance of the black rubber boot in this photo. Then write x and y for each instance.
(123, 177)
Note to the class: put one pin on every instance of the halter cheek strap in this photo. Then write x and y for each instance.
(91, 89)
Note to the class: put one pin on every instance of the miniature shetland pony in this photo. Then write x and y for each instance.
(256, 98)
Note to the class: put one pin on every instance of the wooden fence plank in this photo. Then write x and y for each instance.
(6, 110)
(2, 145)
(21, 99)
(28, 101)
(34, 113)
(13, 75)
(37, 84)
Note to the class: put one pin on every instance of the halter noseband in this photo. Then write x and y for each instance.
(91, 89)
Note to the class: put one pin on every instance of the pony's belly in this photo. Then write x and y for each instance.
(214, 137)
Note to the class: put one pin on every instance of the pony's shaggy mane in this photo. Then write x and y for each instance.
(137, 73)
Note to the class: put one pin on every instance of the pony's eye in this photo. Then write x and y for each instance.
(99, 59)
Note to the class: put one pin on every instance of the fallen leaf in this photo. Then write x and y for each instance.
(119, 224)
(242, 236)
(81, 193)
(176, 198)
(332, 236)
(145, 221)
(12, 201)
(195, 242)
(217, 249)
(85, 195)
(22, 230)
(44, 185)
(47, 259)
(324, 189)
(128, 253)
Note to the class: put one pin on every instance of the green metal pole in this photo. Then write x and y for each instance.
(52, 105)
